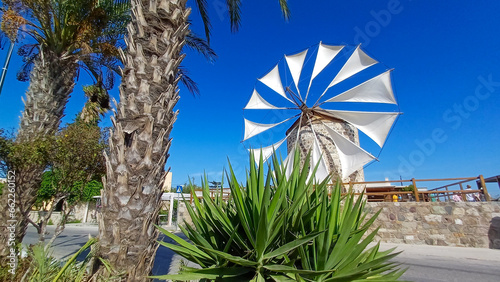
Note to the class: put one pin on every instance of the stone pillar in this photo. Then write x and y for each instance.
(330, 153)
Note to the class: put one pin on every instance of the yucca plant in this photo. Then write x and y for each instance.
(280, 228)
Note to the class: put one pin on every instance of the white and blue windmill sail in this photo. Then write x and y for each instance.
(357, 62)
(266, 151)
(326, 53)
(295, 63)
(256, 102)
(375, 90)
(288, 163)
(253, 128)
(273, 80)
(317, 162)
(375, 125)
(352, 157)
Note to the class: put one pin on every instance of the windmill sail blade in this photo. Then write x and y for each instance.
(295, 64)
(266, 152)
(356, 63)
(326, 54)
(273, 81)
(253, 128)
(374, 124)
(288, 163)
(256, 102)
(352, 157)
(317, 159)
(375, 90)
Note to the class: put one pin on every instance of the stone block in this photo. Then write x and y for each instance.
(486, 208)
(448, 209)
(471, 221)
(433, 218)
(382, 217)
(458, 211)
(401, 217)
(423, 210)
(438, 210)
(441, 242)
(437, 236)
(484, 221)
(447, 219)
(472, 212)
(470, 230)
(453, 228)
(413, 209)
(429, 241)
(458, 221)
(409, 225)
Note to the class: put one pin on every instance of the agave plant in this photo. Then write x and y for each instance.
(280, 228)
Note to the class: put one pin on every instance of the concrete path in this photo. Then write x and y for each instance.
(426, 263)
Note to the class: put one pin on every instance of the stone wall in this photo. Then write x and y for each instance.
(462, 224)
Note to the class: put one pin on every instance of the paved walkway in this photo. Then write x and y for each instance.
(427, 263)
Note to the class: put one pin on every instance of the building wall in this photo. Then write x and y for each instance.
(167, 184)
(461, 224)
(78, 213)
(330, 153)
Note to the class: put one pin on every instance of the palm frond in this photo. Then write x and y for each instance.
(188, 82)
(202, 8)
(234, 9)
(195, 43)
(284, 9)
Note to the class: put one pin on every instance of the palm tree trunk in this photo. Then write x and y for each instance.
(51, 83)
(140, 140)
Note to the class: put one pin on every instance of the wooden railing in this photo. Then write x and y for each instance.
(384, 191)
(441, 193)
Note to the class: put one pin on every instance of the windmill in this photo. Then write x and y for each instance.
(341, 79)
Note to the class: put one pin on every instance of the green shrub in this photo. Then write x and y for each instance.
(280, 228)
(408, 188)
(41, 266)
(74, 221)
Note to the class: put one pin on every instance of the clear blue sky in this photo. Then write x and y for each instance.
(446, 57)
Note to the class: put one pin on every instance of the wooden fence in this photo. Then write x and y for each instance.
(386, 191)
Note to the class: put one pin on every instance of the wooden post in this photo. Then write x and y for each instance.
(463, 195)
(415, 189)
(485, 190)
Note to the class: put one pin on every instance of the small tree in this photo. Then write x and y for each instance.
(75, 160)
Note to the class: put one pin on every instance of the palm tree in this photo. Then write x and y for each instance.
(68, 34)
(139, 141)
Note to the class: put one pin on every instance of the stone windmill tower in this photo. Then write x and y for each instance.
(331, 135)
(308, 132)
